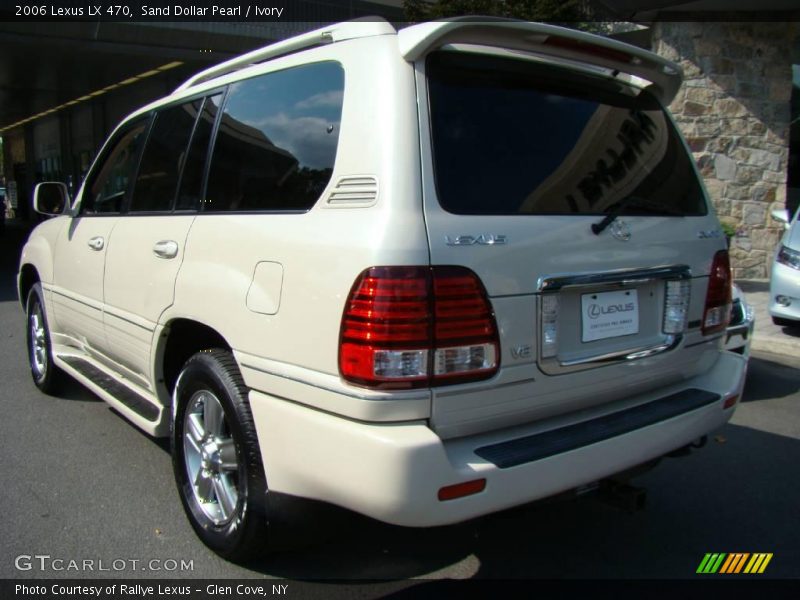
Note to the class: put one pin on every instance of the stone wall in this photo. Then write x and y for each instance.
(734, 109)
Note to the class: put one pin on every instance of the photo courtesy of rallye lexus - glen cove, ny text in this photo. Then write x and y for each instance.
(149, 590)
(425, 275)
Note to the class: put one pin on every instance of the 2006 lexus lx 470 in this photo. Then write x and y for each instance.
(424, 274)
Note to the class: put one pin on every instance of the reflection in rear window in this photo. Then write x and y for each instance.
(514, 137)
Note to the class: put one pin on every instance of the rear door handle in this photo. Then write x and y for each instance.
(166, 249)
(96, 243)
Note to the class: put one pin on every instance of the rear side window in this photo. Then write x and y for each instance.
(514, 137)
(163, 157)
(107, 185)
(277, 139)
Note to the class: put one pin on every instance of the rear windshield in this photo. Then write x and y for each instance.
(515, 137)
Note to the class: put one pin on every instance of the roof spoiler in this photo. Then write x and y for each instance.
(549, 40)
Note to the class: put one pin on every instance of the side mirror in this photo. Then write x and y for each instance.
(50, 198)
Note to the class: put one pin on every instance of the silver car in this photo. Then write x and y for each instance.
(784, 289)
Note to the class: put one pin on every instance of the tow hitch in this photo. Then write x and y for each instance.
(687, 450)
(625, 496)
(616, 493)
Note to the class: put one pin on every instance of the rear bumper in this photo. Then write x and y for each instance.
(392, 472)
(739, 337)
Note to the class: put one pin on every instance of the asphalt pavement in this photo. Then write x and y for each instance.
(81, 484)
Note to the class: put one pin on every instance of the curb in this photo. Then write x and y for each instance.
(772, 345)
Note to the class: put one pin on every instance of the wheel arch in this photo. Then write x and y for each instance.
(178, 340)
(36, 258)
(28, 277)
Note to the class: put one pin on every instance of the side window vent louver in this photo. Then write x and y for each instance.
(354, 191)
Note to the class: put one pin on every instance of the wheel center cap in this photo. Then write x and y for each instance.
(209, 455)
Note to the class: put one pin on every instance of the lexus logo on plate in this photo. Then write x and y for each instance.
(621, 231)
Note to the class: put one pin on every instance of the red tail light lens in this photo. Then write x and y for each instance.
(386, 328)
(409, 327)
(717, 313)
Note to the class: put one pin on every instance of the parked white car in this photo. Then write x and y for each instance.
(784, 284)
(424, 275)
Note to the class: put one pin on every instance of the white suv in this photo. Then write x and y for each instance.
(425, 275)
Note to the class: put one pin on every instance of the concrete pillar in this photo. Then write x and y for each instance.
(26, 186)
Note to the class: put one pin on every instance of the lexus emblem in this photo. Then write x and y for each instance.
(621, 231)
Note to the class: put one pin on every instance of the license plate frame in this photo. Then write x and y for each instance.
(609, 314)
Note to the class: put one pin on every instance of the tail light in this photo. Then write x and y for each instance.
(407, 327)
(676, 306)
(717, 313)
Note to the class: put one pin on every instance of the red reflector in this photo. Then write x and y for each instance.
(730, 401)
(459, 490)
(717, 312)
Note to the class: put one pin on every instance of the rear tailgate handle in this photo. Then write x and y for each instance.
(166, 249)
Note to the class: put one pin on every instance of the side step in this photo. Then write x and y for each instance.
(557, 441)
(134, 404)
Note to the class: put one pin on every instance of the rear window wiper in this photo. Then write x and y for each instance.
(618, 207)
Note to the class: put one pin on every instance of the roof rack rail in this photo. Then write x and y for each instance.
(357, 28)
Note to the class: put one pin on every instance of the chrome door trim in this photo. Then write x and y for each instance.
(557, 282)
(644, 351)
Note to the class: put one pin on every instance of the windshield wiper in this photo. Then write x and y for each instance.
(598, 228)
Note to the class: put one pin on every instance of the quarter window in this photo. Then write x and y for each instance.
(277, 140)
(106, 188)
(191, 186)
(162, 158)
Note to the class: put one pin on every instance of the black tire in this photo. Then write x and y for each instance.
(46, 375)
(234, 530)
(781, 322)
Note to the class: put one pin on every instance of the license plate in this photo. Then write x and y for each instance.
(609, 314)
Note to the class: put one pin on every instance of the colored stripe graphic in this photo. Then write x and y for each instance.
(716, 565)
(729, 564)
(765, 563)
(703, 563)
(734, 563)
(758, 563)
(741, 562)
(711, 563)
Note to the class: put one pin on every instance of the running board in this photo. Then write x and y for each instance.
(132, 402)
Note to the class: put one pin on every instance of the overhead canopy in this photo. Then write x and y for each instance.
(43, 66)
